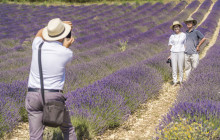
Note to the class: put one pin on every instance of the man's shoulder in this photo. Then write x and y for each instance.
(59, 48)
(182, 33)
(197, 31)
(37, 41)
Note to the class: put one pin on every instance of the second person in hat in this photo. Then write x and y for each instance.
(194, 39)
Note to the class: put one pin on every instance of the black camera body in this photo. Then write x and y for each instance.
(169, 61)
(69, 35)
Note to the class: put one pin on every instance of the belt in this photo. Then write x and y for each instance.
(45, 90)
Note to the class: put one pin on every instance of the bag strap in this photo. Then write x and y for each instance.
(41, 73)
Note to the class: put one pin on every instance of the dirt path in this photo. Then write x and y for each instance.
(20, 132)
(142, 124)
(212, 41)
(196, 9)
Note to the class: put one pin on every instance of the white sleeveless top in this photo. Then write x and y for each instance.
(177, 42)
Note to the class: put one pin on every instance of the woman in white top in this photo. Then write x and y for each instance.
(177, 48)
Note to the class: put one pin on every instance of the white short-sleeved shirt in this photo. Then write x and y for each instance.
(177, 42)
(54, 58)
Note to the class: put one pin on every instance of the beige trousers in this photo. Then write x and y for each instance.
(191, 62)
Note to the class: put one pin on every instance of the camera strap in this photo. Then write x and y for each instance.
(40, 71)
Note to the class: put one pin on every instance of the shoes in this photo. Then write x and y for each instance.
(175, 84)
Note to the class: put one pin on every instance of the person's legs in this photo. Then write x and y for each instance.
(174, 66)
(188, 66)
(195, 61)
(34, 108)
(180, 65)
(67, 128)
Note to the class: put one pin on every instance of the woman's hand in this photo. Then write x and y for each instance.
(67, 42)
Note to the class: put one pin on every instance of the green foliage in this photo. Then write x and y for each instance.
(23, 114)
(1, 121)
(137, 3)
(184, 130)
(51, 133)
(2, 128)
(122, 45)
(83, 128)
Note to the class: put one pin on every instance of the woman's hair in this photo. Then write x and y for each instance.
(176, 25)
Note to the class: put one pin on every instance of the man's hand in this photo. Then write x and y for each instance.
(197, 48)
(39, 33)
(68, 42)
(69, 23)
(200, 43)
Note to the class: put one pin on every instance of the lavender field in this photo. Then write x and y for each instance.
(120, 54)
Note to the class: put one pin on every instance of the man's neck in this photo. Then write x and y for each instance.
(190, 29)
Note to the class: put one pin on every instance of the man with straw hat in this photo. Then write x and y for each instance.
(194, 39)
(176, 43)
(54, 57)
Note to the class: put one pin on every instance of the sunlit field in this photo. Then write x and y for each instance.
(120, 54)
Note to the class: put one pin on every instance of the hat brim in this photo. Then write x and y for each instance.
(63, 35)
(194, 21)
(171, 27)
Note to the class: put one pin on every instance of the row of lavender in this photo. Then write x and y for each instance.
(19, 16)
(197, 109)
(10, 30)
(112, 43)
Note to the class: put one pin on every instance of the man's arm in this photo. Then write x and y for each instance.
(200, 43)
(68, 42)
(39, 33)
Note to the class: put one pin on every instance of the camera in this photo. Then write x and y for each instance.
(169, 61)
(69, 35)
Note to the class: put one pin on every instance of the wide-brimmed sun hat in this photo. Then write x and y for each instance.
(190, 19)
(56, 30)
(176, 23)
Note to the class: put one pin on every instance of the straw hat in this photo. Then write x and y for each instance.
(176, 23)
(191, 19)
(56, 30)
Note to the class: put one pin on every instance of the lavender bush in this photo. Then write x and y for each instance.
(11, 105)
(107, 102)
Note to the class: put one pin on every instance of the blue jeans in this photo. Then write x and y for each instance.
(34, 107)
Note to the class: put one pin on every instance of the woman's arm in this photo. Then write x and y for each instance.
(170, 44)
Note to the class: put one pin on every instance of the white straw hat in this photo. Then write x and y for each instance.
(190, 19)
(56, 30)
(176, 23)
